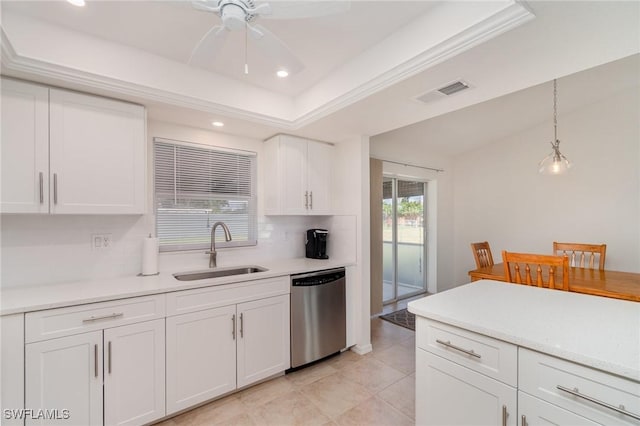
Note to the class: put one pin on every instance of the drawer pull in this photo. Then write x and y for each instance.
(95, 360)
(577, 393)
(110, 316)
(41, 188)
(457, 348)
(109, 350)
(233, 328)
(504, 415)
(55, 188)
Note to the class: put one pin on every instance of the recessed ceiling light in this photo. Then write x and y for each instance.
(282, 73)
(217, 123)
(78, 3)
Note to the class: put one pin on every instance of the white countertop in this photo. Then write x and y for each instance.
(34, 298)
(595, 331)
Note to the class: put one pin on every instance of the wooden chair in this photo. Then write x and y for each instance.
(482, 254)
(554, 265)
(574, 250)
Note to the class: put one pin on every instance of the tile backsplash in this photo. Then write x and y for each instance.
(47, 249)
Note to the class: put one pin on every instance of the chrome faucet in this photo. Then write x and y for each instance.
(227, 236)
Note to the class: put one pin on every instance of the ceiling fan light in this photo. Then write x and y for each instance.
(282, 73)
(78, 3)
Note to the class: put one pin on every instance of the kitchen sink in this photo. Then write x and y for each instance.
(218, 273)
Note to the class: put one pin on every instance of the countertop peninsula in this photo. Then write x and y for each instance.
(598, 332)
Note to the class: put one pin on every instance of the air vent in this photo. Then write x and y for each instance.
(453, 88)
(448, 90)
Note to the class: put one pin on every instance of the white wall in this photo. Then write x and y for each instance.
(500, 197)
(351, 198)
(46, 249)
(389, 147)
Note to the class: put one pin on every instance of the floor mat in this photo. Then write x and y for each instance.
(402, 318)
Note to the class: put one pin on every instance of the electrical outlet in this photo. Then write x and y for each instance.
(101, 241)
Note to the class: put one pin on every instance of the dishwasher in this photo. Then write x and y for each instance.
(318, 315)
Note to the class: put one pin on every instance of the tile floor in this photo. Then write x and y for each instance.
(348, 389)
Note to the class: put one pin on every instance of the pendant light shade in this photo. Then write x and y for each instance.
(555, 163)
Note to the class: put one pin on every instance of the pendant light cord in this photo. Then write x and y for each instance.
(555, 112)
(246, 54)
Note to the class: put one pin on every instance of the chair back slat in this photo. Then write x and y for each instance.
(579, 252)
(543, 265)
(518, 277)
(482, 254)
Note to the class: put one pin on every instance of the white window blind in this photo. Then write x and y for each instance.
(197, 186)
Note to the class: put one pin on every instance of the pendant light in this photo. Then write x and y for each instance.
(555, 163)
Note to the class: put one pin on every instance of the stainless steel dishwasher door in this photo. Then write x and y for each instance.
(318, 315)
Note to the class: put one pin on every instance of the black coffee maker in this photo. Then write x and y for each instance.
(316, 243)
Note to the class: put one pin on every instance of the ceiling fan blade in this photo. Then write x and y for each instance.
(205, 52)
(274, 49)
(206, 5)
(307, 9)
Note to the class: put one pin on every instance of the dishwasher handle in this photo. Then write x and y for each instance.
(317, 278)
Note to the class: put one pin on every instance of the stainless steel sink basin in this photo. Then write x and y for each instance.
(218, 272)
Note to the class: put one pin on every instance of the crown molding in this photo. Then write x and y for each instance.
(511, 16)
(14, 62)
(507, 19)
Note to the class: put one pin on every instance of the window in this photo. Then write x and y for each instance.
(199, 185)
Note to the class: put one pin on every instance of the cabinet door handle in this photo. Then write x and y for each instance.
(55, 188)
(311, 200)
(504, 415)
(109, 351)
(233, 329)
(241, 325)
(620, 409)
(457, 348)
(523, 420)
(306, 199)
(110, 316)
(95, 360)
(41, 188)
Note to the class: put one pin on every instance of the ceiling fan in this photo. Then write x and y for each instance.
(238, 15)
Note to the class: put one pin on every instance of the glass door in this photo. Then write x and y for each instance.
(403, 238)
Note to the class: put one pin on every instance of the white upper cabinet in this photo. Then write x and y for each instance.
(25, 148)
(297, 175)
(70, 153)
(97, 151)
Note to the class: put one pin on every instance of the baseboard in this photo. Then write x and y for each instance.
(362, 349)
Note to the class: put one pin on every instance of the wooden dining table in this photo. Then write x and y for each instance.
(616, 284)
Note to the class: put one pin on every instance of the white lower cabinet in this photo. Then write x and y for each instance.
(215, 351)
(65, 374)
(98, 363)
(533, 412)
(134, 381)
(136, 360)
(450, 394)
(466, 378)
(600, 397)
(201, 357)
(263, 346)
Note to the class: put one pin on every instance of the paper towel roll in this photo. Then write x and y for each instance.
(150, 256)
